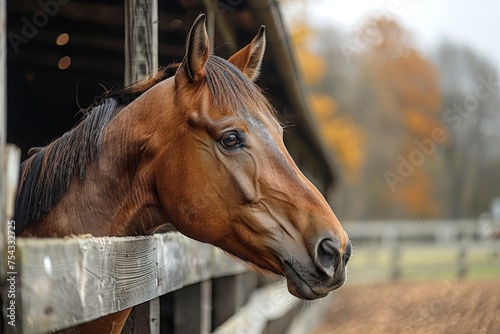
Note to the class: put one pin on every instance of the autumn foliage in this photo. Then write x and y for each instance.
(339, 130)
(408, 97)
(397, 104)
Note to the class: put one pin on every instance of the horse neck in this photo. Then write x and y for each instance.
(117, 196)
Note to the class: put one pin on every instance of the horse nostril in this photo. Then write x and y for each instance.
(328, 256)
(347, 252)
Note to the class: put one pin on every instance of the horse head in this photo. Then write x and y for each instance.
(225, 177)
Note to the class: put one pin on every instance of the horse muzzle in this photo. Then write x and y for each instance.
(324, 272)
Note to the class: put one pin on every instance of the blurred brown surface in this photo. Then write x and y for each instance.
(431, 307)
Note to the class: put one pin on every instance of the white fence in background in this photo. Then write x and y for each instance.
(414, 250)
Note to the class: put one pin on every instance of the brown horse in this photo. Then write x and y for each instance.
(196, 146)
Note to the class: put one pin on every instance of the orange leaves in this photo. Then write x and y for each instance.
(315, 68)
(323, 105)
(415, 196)
(405, 86)
(419, 123)
(388, 107)
(341, 133)
(313, 65)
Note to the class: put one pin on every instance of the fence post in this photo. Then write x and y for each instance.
(206, 307)
(141, 39)
(3, 105)
(187, 310)
(462, 261)
(3, 83)
(226, 299)
(230, 293)
(144, 318)
(392, 239)
(3, 116)
(141, 59)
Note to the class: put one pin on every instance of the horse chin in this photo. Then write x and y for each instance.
(303, 291)
(298, 287)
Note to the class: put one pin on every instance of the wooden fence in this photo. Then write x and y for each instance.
(61, 283)
(416, 250)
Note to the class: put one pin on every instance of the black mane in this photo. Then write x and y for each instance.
(47, 174)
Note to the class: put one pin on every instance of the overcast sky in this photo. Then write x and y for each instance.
(473, 23)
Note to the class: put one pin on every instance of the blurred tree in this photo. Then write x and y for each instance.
(471, 118)
(312, 64)
(401, 118)
(415, 137)
(339, 130)
(398, 103)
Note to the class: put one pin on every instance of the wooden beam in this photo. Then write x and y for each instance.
(67, 282)
(187, 310)
(266, 306)
(3, 76)
(141, 39)
(9, 164)
(3, 216)
(144, 318)
(3, 110)
(215, 14)
(229, 294)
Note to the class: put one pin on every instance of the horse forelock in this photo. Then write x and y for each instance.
(230, 89)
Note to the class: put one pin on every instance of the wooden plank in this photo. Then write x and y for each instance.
(144, 318)
(230, 293)
(187, 310)
(167, 313)
(266, 305)
(216, 17)
(154, 316)
(3, 106)
(9, 172)
(310, 317)
(141, 39)
(66, 282)
(3, 78)
(9, 286)
(3, 116)
(206, 307)
(10, 176)
(192, 309)
(225, 301)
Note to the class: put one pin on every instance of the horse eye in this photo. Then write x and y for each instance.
(231, 140)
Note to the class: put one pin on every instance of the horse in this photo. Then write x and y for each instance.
(197, 146)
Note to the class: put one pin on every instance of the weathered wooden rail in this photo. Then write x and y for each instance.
(61, 283)
(67, 282)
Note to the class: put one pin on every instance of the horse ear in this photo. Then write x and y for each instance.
(197, 49)
(249, 59)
